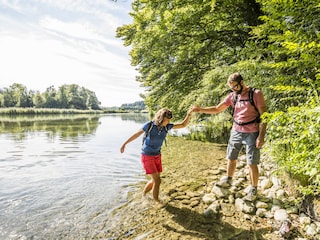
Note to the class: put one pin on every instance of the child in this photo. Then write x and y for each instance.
(156, 132)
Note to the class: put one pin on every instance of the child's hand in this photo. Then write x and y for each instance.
(122, 148)
(195, 108)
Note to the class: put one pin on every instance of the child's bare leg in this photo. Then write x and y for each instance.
(148, 187)
(156, 186)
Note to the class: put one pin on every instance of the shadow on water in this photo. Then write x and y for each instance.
(197, 225)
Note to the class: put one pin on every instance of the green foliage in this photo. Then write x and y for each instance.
(175, 43)
(185, 51)
(294, 138)
(213, 129)
(136, 106)
(288, 44)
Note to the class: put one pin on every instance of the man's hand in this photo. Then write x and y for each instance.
(195, 108)
(259, 142)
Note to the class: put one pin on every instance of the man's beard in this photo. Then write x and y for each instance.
(241, 88)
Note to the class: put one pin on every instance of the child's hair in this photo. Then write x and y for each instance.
(161, 114)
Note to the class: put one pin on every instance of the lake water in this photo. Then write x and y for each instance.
(60, 177)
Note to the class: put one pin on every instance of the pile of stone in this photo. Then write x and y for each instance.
(273, 202)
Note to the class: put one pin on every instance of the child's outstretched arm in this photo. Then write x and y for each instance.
(185, 121)
(130, 139)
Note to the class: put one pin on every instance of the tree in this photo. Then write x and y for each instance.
(291, 51)
(185, 50)
(175, 43)
(288, 43)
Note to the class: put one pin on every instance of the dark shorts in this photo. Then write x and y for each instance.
(236, 142)
(151, 164)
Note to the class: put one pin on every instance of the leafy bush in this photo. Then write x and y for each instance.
(215, 128)
(294, 138)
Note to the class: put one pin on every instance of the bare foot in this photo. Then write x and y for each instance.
(159, 204)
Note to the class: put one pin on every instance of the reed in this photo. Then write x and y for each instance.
(45, 111)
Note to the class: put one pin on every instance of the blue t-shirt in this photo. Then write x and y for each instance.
(154, 140)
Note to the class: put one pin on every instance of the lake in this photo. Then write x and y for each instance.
(61, 176)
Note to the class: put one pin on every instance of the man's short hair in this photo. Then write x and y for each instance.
(235, 77)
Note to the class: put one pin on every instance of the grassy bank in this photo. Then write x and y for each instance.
(45, 111)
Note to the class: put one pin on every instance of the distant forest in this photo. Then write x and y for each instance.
(66, 96)
(136, 106)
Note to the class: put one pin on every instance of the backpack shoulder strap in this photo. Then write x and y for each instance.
(234, 98)
(146, 133)
(150, 127)
(251, 92)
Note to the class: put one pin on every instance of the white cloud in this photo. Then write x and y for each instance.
(59, 43)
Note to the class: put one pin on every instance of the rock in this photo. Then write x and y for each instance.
(311, 230)
(220, 192)
(243, 206)
(261, 212)
(285, 228)
(182, 197)
(266, 184)
(209, 198)
(222, 170)
(260, 204)
(281, 194)
(281, 215)
(194, 203)
(208, 213)
(304, 220)
(275, 181)
(213, 210)
(292, 210)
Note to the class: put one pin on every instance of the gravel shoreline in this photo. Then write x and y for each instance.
(184, 184)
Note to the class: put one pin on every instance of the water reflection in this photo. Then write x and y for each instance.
(60, 176)
(139, 118)
(63, 126)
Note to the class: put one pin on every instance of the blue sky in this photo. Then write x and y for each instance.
(56, 42)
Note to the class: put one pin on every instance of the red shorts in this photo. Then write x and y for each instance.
(151, 164)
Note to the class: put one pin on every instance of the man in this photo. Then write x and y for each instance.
(247, 129)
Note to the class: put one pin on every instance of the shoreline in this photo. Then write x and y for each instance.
(195, 208)
(188, 174)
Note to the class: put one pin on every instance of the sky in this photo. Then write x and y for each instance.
(47, 43)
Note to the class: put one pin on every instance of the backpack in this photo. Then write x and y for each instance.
(235, 98)
(146, 133)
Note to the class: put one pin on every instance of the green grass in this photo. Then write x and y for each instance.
(45, 111)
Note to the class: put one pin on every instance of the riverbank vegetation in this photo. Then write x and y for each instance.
(65, 97)
(44, 111)
(185, 51)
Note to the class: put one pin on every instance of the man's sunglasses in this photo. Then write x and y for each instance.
(235, 87)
